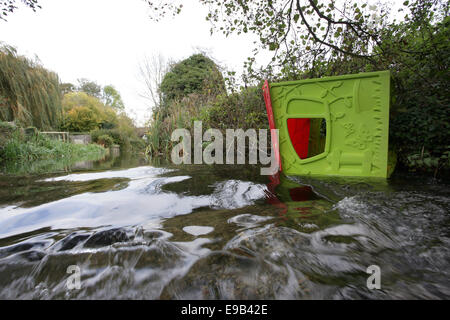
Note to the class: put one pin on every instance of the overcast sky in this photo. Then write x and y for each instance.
(104, 41)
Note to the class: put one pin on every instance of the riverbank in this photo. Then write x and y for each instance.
(246, 110)
(21, 153)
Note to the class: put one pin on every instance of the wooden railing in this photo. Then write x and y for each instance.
(64, 136)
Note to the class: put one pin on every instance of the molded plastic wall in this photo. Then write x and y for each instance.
(356, 110)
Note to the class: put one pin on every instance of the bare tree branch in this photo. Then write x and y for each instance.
(151, 73)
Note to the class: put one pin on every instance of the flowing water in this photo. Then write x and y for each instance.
(150, 231)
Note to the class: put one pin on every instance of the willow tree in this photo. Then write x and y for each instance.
(29, 93)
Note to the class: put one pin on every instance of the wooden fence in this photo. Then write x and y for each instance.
(63, 136)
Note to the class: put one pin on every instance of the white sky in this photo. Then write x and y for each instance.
(104, 41)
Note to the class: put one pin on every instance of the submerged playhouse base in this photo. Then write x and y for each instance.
(335, 126)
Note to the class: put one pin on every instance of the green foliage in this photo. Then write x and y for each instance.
(105, 140)
(123, 132)
(420, 111)
(66, 88)
(188, 87)
(126, 126)
(116, 135)
(177, 114)
(111, 97)
(191, 76)
(138, 144)
(313, 39)
(240, 110)
(108, 95)
(107, 125)
(29, 94)
(20, 148)
(81, 119)
(125, 140)
(158, 136)
(6, 131)
(83, 153)
(299, 33)
(90, 87)
(244, 109)
(7, 126)
(417, 53)
(83, 112)
(425, 162)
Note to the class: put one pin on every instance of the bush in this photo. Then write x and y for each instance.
(117, 136)
(105, 140)
(241, 110)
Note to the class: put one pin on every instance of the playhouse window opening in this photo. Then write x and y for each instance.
(308, 136)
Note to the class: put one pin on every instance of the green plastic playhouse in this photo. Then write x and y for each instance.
(331, 126)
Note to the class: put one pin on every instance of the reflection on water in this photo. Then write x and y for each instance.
(155, 231)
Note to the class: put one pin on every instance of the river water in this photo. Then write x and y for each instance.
(138, 230)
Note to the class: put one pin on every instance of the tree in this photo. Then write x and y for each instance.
(81, 119)
(111, 97)
(152, 71)
(9, 6)
(29, 93)
(102, 116)
(67, 87)
(90, 87)
(191, 75)
(305, 33)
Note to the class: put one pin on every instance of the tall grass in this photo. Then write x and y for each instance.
(176, 114)
(29, 94)
(239, 110)
(22, 149)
